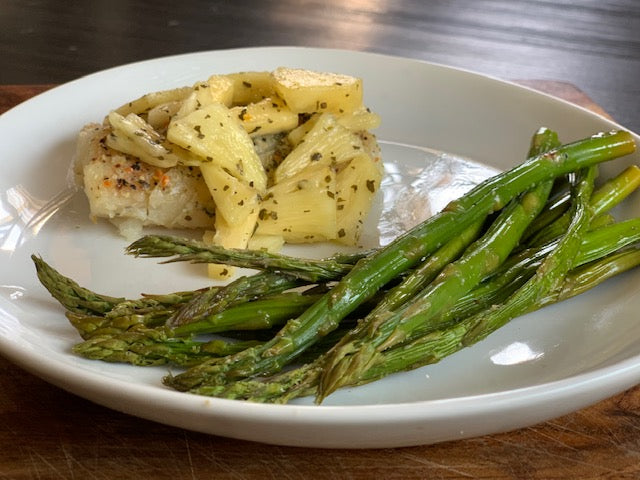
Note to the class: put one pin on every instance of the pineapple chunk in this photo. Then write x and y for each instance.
(270, 243)
(301, 208)
(134, 136)
(326, 143)
(215, 135)
(150, 100)
(266, 117)
(306, 91)
(160, 115)
(221, 89)
(218, 89)
(189, 105)
(359, 120)
(234, 199)
(356, 185)
(229, 236)
(296, 135)
(251, 87)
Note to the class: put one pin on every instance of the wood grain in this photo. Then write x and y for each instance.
(46, 432)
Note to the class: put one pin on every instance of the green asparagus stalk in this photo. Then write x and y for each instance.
(421, 351)
(242, 289)
(551, 272)
(439, 344)
(519, 268)
(426, 272)
(84, 302)
(434, 345)
(143, 346)
(378, 332)
(185, 250)
(542, 141)
(610, 194)
(448, 287)
(370, 274)
(148, 347)
(71, 295)
(306, 377)
(261, 314)
(89, 326)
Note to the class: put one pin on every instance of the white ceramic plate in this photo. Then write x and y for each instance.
(539, 366)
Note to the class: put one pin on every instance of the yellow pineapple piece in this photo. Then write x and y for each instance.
(251, 87)
(160, 115)
(306, 91)
(301, 208)
(296, 135)
(270, 243)
(234, 199)
(356, 185)
(361, 119)
(221, 89)
(215, 135)
(265, 117)
(229, 236)
(134, 136)
(150, 100)
(217, 89)
(327, 143)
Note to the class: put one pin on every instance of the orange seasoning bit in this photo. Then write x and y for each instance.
(164, 180)
(161, 178)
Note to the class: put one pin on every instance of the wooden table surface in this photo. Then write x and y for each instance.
(575, 46)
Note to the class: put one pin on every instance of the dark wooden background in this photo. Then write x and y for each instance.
(592, 45)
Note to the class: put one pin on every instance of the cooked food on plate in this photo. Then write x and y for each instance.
(531, 236)
(254, 159)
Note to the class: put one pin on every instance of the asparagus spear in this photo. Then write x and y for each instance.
(610, 194)
(115, 340)
(262, 313)
(148, 347)
(185, 250)
(542, 141)
(435, 346)
(71, 295)
(424, 350)
(242, 289)
(551, 272)
(484, 256)
(382, 330)
(95, 314)
(372, 273)
(428, 270)
(82, 301)
(519, 268)
(143, 346)
(305, 378)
